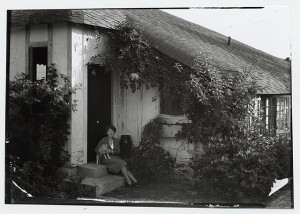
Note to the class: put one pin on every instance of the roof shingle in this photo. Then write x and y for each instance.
(179, 39)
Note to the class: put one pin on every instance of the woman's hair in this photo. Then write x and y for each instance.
(110, 127)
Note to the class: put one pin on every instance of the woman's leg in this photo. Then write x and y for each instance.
(130, 175)
(125, 174)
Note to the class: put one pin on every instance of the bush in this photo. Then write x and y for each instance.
(244, 167)
(38, 130)
(30, 177)
(38, 126)
(150, 161)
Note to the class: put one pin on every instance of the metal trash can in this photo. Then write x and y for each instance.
(125, 147)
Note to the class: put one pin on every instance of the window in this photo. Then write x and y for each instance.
(38, 63)
(274, 111)
(283, 114)
(170, 103)
(38, 60)
(269, 110)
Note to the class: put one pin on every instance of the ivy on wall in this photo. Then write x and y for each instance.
(213, 104)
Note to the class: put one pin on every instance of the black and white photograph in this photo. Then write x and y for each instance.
(173, 107)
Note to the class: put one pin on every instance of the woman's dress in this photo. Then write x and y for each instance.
(115, 163)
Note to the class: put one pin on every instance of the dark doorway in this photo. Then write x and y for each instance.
(99, 106)
(38, 56)
(37, 71)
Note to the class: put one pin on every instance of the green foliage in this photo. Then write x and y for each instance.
(244, 165)
(153, 131)
(38, 128)
(30, 177)
(150, 161)
(215, 102)
(217, 105)
(137, 62)
(38, 118)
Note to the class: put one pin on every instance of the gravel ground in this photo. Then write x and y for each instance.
(282, 199)
(169, 195)
(176, 194)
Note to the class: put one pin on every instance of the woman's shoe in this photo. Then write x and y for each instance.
(128, 184)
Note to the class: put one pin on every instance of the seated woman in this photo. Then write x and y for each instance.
(110, 146)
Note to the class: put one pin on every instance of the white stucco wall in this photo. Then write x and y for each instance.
(60, 48)
(60, 56)
(17, 53)
(180, 149)
(133, 111)
(77, 126)
(38, 33)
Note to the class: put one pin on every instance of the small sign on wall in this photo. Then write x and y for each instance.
(41, 71)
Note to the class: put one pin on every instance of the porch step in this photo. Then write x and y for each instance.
(92, 170)
(104, 184)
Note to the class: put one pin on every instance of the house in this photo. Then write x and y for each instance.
(66, 38)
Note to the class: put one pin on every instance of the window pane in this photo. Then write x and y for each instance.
(282, 121)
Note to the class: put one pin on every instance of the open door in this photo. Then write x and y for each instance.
(99, 106)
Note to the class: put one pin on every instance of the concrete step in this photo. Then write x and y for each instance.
(92, 170)
(104, 184)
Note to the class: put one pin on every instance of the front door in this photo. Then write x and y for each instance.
(99, 106)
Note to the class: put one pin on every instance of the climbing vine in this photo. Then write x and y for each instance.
(214, 106)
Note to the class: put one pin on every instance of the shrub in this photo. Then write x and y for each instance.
(31, 178)
(150, 161)
(244, 166)
(38, 130)
(38, 118)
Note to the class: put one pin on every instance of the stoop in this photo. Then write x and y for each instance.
(98, 178)
(104, 184)
(92, 170)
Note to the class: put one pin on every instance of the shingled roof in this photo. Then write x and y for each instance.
(177, 38)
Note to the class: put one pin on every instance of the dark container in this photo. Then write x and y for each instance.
(125, 146)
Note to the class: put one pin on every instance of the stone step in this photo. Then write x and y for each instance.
(92, 170)
(104, 184)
